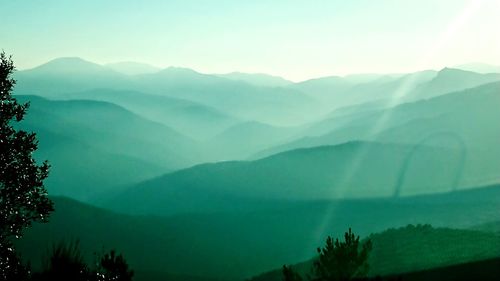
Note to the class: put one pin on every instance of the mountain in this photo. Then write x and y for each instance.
(325, 89)
(257, 79)
(95, 146)
(449, 120)
(257, 97)
(189, 118)
(336, 92)
(83, 172)
(350, 170)
(222, 136)
(479, 67)
(132, 68)
(338, 118)
(111, 128)
(392, 90)
(69, 65)
(451, 80)
(64, 75)
(273, 105)
(266, 234)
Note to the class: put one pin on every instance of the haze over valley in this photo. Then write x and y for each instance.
(249, 140)
(228, 155)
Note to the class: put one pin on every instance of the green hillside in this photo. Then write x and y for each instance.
(396, 252)
(350, 170)
(262, 235)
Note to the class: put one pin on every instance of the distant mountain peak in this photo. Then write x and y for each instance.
(455, 71)
(449, 69)
(69, 60)
(69, 64)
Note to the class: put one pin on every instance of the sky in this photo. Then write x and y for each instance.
(293, 39)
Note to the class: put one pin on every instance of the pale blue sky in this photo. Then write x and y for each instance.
(294, 39)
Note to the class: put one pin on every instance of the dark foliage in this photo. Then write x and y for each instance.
(290, 275)
(23, 197)
(338, 261)
(113, 267)
(11, 266)
(342, 260)
(66, 262)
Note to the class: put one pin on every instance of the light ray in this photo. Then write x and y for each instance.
(399, 95)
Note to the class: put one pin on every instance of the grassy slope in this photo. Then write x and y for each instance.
(417, 249)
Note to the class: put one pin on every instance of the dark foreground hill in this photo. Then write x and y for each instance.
(486, 270)
(265, 235)
(424, 253)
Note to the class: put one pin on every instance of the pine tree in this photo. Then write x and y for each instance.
(342, 261)
(23, 197)
(113, 267)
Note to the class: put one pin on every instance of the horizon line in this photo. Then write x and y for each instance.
(344, 75)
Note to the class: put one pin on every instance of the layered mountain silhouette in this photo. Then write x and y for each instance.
(190, 118)
(226, 176)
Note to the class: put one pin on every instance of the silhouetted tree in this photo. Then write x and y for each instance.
(290, 275)
(113, 267)
(23, 198)
(342, 260)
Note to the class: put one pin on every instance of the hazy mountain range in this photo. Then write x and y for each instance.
(241, 173)
(176, 118)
